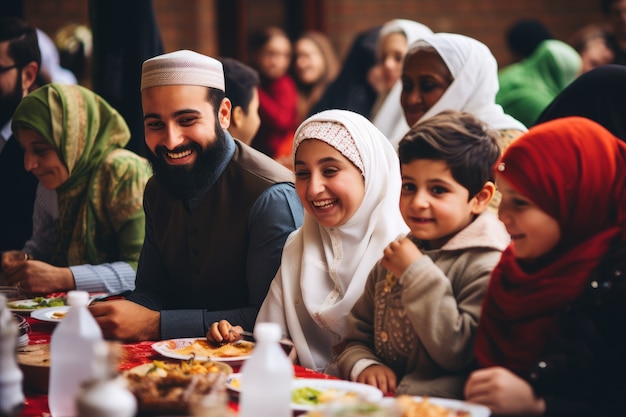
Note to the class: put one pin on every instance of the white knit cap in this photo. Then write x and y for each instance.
(182, 68)
(333, 133)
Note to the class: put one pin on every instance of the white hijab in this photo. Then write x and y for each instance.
(475, 85)
(389, 118)
(323, 270)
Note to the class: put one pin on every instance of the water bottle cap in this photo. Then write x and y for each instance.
(267, 332)
(77, 298)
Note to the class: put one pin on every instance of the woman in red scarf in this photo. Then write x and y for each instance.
(552, 335)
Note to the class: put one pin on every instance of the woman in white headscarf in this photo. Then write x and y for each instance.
(472, 71)
(393, 42)
(348, 179)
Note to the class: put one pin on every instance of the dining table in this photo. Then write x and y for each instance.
(133, 354)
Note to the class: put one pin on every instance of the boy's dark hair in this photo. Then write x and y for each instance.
(23, 42)
(466, 144)
(240, 81)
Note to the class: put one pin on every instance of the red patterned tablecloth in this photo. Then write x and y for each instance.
(134, 354)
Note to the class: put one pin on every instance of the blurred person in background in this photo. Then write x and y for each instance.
(393, 43)
(125, 33)
(20, 60)
(354, 88)
(315, 66)
(597, 95)
(529, 86)
(593, 44)
(51, 70)
(75, 44)
(271, 53)
(615, 14)
(242, 88)
(523, 37)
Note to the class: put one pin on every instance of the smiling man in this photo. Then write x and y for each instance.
(217, 211)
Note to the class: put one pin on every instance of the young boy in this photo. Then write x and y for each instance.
(242, 84)
(412, 330)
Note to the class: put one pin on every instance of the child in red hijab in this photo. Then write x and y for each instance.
(552, 334)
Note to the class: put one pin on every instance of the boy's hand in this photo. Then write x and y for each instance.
(222, 332)
(399, 254)
(380, 376)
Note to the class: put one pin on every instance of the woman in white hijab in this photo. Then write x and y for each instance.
(348, 179)
(393, 42)
(474, 83)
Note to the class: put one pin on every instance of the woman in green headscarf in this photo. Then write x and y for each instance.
(527, 87)
(88, 225)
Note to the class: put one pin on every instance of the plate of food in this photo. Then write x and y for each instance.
(178, 368)
(201, 350)
(173, 387)
(33, 304)
(407, 406)
(51, 314)
(311, 393)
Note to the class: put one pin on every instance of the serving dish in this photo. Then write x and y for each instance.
(199, 349)
(312, 393)
(32, 304)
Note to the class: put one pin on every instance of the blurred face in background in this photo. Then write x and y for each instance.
(425, 77)
(244, 125)
(11, 91)
(617, 19)
(275, 57)
(391, 51)
(309, 66)
(596, 53)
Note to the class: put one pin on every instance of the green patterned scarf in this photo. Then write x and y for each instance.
(85, 130)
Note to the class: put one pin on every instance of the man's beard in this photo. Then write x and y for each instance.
(185, 181)
(10, 101)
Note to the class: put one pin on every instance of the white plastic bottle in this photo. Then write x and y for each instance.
(11, 395)
(266, 377)
(71, 355)
(107, 395)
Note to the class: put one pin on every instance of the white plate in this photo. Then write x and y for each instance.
(26, 306)
(168, 349)
(474, 410)
(48, 314)
(341, 388)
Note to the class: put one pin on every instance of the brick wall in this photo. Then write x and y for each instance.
(485, 20)
(191, 23)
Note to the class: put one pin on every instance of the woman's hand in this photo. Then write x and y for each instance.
(12, 257)
(223, 332)
(503, 392)
(38, 278)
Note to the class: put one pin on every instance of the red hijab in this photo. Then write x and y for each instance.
(575, 171)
